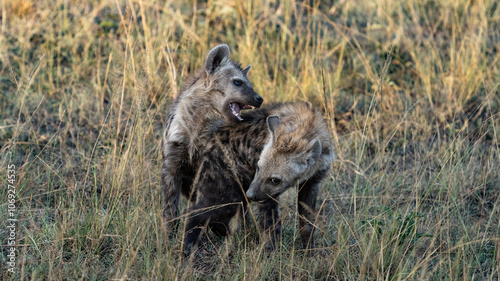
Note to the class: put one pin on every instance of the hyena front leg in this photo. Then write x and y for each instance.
(171, 183)
(199, 217)
(307, 194)
(270, 221)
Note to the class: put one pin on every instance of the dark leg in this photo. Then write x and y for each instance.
(269, 221)
(220, 225)
(217, 219)
(220, 228)
(192, 238)
(306, 205)
(171, 183)
(194, 225)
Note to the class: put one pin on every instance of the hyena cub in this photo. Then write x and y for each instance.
(213, 95)
(271, 150)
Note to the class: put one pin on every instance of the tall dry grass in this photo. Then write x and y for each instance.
(409, 88)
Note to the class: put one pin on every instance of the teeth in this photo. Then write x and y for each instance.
(233, 107)
(248, 107)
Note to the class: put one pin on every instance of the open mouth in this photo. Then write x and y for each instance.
(237, 107)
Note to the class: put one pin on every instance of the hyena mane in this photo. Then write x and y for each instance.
(212, 96)
(235, 169)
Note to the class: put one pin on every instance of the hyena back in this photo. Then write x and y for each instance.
(287, 142)
(213, 95)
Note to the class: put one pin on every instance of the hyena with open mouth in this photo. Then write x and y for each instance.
(271, 150)
(214, 95)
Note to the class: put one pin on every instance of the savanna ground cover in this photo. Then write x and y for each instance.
(409, 89)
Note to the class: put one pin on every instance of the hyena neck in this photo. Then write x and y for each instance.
(201, 109)
(201, 119)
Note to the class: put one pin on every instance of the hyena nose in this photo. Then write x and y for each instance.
(250, 194)
(259, 99)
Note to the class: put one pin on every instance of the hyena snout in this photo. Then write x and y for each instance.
(246, 98)
(255, 194)
(251, 195)
(252, 97)
(258, 99)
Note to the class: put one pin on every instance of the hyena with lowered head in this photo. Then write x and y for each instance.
(213, 95)
(271, 150)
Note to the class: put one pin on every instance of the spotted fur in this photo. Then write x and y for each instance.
(208, 100)
(237, 159)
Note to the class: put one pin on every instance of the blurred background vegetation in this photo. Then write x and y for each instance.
(409, 89)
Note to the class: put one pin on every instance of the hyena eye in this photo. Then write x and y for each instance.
(275, 181)
(237, 82)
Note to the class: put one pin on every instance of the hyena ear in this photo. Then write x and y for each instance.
(314, 153)
(245, 71)
(216, 57)
(272, 123)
